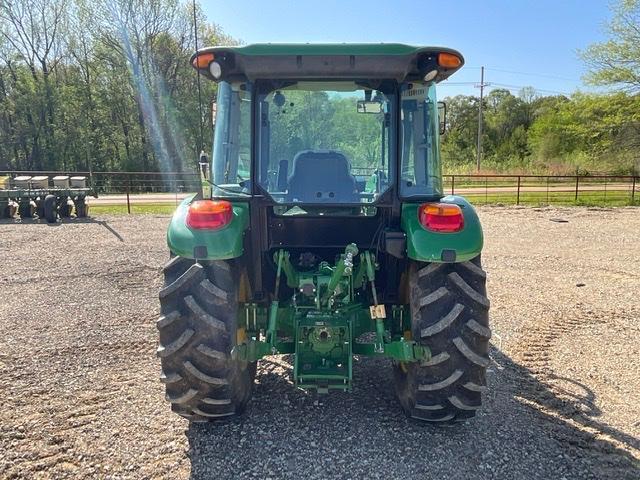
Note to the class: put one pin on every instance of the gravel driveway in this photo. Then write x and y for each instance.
(80, 395)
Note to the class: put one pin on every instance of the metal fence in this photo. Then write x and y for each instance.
(546, 189)
(169, 187)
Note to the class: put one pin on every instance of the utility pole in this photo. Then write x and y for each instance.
(482, 85)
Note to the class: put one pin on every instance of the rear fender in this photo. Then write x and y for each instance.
(221, 244)
(427, 246)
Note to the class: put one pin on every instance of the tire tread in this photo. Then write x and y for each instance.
(449, 313)
(197, 319)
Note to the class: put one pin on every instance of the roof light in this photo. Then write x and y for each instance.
(209, 214)
(441, 217)
(215, 69)
(430, 75)
(202, 60)
(449, 60)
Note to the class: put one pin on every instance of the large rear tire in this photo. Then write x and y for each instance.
(198, 306)
(450, 316)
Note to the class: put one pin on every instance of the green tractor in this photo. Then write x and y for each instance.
(322, 231)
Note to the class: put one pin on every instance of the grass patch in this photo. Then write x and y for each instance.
(585, 199)
(591, 199)
(158, 209)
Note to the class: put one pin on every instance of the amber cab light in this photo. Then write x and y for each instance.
(441, 217)
(202, 60)
(209, 214)
(449, 60)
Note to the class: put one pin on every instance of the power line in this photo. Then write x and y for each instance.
(520, 87)
(446, 84)
(543, 75)
(528, 74)
(512, 87)
(506, 86)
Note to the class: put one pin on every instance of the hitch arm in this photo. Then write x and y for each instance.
(377, 311)
(253, 350)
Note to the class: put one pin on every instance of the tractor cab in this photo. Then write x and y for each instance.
(305, 135)
(339, 125)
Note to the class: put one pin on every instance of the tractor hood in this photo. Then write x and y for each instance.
(327, 61)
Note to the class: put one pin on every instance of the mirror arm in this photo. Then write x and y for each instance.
(442, 117)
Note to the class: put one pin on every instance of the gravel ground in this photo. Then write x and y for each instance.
(80, 395)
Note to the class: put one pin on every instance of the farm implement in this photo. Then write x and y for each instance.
(33, 196)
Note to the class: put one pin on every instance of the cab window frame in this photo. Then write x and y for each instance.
(260, 168)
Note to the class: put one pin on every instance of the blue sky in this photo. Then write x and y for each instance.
(521, 43)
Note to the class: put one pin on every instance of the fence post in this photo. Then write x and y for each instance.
(453, 184)
(518, 195)
(577, 180)
(486, 190)
(128, 190)
(633, 190)
(547, 190)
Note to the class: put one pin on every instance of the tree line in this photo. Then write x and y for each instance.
(544, 134)
(101, 85)
(106, 85)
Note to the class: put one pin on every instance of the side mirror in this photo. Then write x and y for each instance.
(205, 175)
(442, 117)
(365, 106)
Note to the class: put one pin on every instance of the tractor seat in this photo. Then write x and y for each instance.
(321, 176)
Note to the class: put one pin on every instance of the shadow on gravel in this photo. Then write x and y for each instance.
(565, 401)
(60, 222)
(527, 430)
(108, 227)
(93, 220)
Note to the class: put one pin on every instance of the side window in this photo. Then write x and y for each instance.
(420, 173)
(231, 164)
(244, 140)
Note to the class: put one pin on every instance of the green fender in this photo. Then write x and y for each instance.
(427, 246)
(221, 244)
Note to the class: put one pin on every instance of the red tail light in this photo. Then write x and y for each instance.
(441, 217)
(209, 214)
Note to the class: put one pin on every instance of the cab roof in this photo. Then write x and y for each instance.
(327, 61)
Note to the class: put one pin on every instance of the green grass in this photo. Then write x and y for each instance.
(158, 209)
(591, 199)
(586, 199)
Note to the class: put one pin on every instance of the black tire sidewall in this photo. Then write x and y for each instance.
(49, 208)
(446, 343)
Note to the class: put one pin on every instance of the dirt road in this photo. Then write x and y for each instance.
(80, 396)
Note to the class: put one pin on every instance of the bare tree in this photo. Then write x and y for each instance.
(33, 29)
